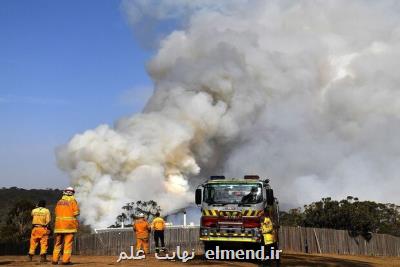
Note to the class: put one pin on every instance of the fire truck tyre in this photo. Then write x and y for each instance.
(276, 247)
(209, 246)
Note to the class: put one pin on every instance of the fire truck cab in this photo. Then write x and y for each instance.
(233, 210)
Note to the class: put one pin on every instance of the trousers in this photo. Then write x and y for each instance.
(65, 242)
(142, 244)
(159, 237)
(39, 234)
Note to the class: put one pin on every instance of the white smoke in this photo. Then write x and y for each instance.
(304, 92)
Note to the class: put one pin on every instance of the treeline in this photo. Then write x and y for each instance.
(358, 217)
(15, 212)
(16, 206)
(12, 195)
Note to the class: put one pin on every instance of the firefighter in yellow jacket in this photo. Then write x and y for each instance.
(158, 226)
(66, 225)
(40, 232)
(142, 229)
(268, 231)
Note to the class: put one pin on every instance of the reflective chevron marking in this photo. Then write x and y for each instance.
(244, 212)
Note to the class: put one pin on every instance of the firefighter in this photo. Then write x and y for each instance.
(269, 235)
(66, 226)
(252, 197)
(142, 228)
(40, 231)
(267, 230)
(158, 226)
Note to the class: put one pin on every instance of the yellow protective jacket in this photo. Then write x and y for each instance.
(267, 229)
(41, 216)
(66, 211)
(158, 224)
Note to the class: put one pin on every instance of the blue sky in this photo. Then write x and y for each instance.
(65, 66)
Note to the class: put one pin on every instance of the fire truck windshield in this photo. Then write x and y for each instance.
(230, 193)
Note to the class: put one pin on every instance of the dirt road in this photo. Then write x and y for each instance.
(287, 260)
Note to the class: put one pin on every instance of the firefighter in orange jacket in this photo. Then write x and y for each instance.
(66, 226)
(158, 226)
(142, 229)
(40, 232)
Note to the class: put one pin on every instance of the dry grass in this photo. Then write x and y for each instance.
(287, 260)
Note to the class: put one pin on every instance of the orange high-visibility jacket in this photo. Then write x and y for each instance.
(67, 210)
(141, 228)
(41, 216)
(158, 224)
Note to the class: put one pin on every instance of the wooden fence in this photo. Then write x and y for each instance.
(116, 240)
(317, 240)
(292, 239)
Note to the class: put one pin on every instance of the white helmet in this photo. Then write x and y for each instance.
(140, 215)
(69, 191)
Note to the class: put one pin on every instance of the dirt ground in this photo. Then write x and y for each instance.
(287, 260)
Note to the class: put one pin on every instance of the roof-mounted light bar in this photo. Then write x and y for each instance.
(252, 177)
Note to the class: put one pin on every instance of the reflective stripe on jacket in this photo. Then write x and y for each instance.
(41, 216)
(141, 228)
(266, 226)
(158, 224)
(66, 211)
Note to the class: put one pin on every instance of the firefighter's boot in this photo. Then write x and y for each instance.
(43, 258)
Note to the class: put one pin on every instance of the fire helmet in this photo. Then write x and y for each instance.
(69, 191)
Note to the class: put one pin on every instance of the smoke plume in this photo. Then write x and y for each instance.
(304, 92)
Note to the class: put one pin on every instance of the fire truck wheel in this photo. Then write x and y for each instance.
(209, 246)
(276, 247)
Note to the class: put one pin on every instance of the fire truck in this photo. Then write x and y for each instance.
(234, 209)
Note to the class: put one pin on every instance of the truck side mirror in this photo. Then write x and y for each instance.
(198, 196)
(270, 197)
